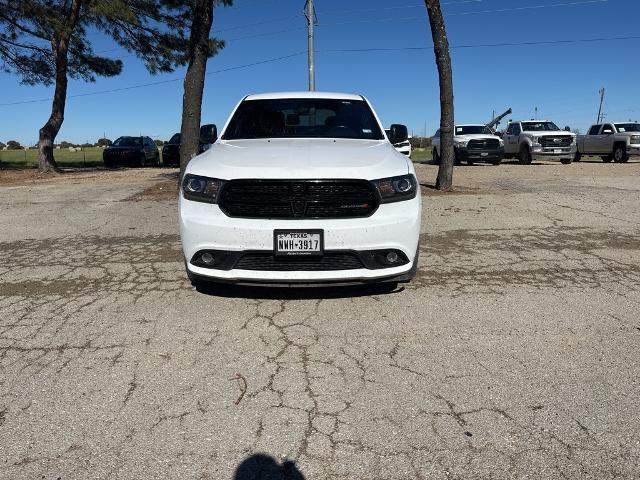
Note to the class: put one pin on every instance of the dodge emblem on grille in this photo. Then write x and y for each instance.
(298, 206)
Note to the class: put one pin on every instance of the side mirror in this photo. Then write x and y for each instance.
(208, 133)
(398, 134)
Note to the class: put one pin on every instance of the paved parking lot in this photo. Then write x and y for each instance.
(514, 354)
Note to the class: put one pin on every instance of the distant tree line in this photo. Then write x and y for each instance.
(101, 142)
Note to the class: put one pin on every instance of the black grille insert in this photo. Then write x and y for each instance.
(329, 261)
(483, 143)
(559, 141)
(298, 199)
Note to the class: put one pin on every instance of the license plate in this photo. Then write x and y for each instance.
(298, 242)
(557, 150)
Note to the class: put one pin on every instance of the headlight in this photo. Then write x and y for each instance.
(201, 189)
(461, 143)
(396, 189)
(635, 139)
(501, 143)
(535, 139)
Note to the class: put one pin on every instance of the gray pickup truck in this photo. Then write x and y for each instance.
(611, 141)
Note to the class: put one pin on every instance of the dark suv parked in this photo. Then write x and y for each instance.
(171, 150)
(131, 151)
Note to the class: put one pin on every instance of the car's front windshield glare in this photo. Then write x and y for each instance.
(303, 118)
(628, 127)
(472, 130)
(539, 127)
(128, 142)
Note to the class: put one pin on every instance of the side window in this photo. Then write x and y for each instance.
(437, 135)
(516, 129)
(594, 130)
(510, 129)
(607, 129)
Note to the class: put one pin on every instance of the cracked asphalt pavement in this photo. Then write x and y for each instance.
(513, 354)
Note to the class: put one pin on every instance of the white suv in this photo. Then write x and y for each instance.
(301, 188)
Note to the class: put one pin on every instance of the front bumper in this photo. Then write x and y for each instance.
(393, 226)
(539, 152)
(480, 155)
(633, 150)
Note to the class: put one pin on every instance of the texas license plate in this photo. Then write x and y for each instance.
(557, 150)
(298, 242)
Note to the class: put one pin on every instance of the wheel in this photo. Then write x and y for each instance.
(156, 162)
(525, 155)
(577, 157)
(620, 154)
(607, 158)
(142, 160)
(435, 157)
(456, 158)
(496, 161)
(565, 161)
(469, 161)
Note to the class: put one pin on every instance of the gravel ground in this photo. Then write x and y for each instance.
(514, 353)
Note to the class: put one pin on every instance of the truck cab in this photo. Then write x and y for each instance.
(615, 141)
(538, 140)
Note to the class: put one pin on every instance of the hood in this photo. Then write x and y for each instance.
(547, 133)
(300, 159)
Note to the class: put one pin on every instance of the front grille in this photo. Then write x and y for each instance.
(270, 263)
(483, 144)
(298, 199)
(556, 141)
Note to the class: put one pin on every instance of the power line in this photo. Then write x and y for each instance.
(160, 82)
(341, 50)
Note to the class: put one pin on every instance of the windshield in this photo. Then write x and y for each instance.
(128, 142)
(175, 139)
(472, 130)
(628, 127)
(539, 127)
(303, 118)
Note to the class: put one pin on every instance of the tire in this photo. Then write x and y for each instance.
(456, 159)
(435, 157)
(620, 153)
(607, 158)
(156, 162)
(577, 157)
(142, 160)
(565, 161)
(496, 161)
(525, 155)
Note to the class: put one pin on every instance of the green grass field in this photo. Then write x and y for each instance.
(420, 155)
(89, 157)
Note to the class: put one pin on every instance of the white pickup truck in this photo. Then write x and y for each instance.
(611, 141)
(538, 140)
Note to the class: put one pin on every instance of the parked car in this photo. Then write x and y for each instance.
(472, 143)
(611, 141)
(131, 151)
(538, 140)
(301, 188)
(403, 147)
(171, 150)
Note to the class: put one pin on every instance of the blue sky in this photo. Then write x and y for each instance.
(561, 80)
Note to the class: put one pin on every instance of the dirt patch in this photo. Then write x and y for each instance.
(96, 176)
(166, 190)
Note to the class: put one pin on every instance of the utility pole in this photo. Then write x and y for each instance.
(600, 116)
(310, 13)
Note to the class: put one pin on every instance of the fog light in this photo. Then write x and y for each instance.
(207, 258)
(392, 257)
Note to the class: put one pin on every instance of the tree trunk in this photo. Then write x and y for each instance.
(194, 81)
(443, 61)
(49, 131)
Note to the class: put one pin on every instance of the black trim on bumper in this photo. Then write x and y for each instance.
(331, 260)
